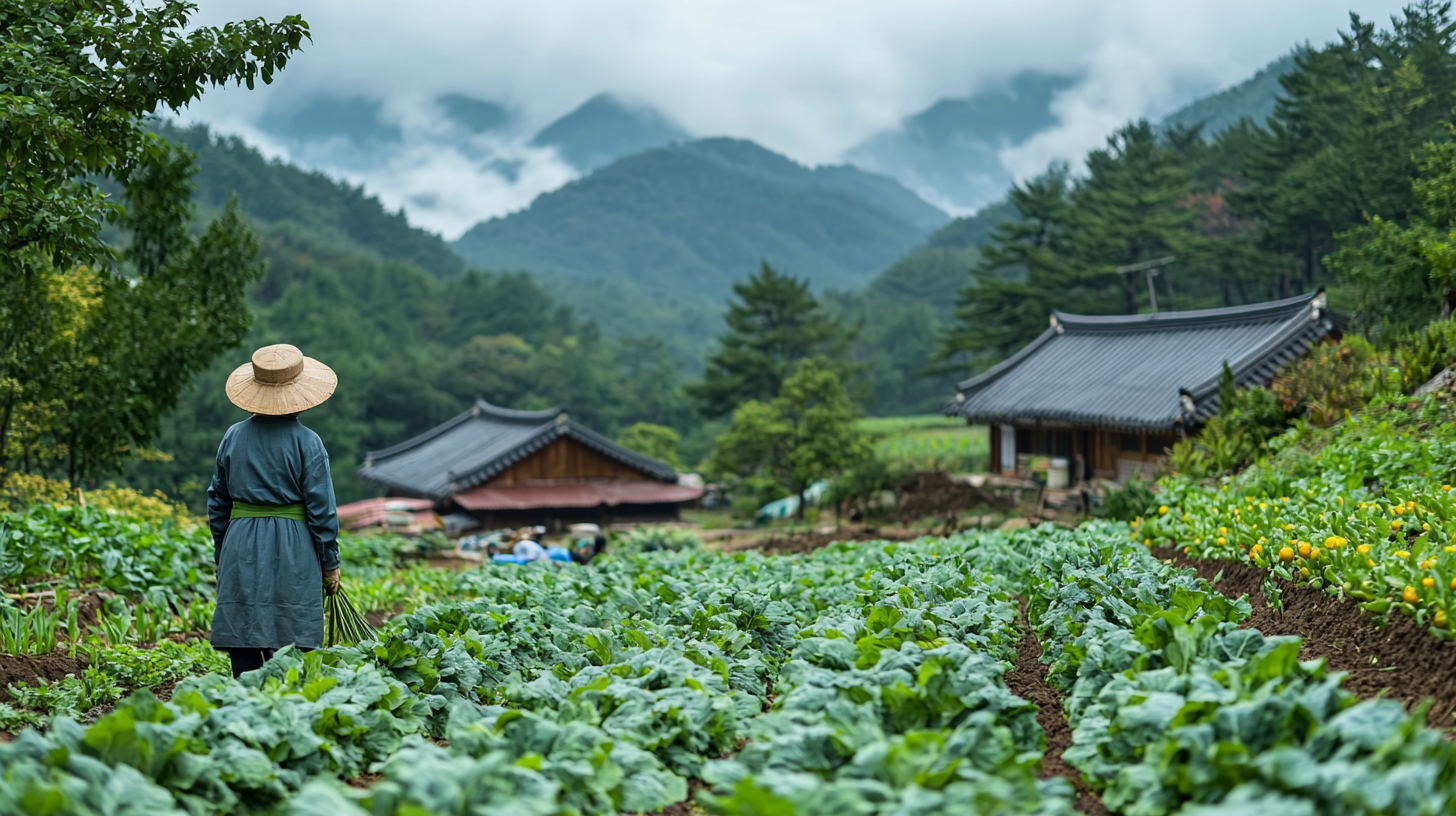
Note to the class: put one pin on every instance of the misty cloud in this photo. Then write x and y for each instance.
(809, 78)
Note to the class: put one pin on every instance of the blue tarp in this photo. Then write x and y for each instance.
(789, 506)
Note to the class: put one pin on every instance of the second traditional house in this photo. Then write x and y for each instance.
(507, 467)
(1110, 394)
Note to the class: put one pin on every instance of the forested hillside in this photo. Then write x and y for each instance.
(410, 348)
(272, 192)
(1336, 191)
(902, 313)
(1253, 99)
(652, 243)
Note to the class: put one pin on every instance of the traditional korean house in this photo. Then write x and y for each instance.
(507, 468)
(1111, 394)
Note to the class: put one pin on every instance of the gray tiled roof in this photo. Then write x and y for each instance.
(477, 445)
(1127, 372)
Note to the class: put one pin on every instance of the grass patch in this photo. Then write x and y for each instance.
(931, 442)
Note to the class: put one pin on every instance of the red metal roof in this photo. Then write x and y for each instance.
(369, 512)
(574, 494)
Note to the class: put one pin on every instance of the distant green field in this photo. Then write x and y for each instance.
(931, 442)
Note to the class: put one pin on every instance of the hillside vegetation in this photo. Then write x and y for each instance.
(673, 228)
(412, 345)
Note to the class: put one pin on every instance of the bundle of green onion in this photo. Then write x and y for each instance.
(343, 625)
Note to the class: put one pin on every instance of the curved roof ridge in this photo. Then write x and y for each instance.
(1164, 320)
(1241, 368)
(415, 441)
(511, 413)
(1127, 371)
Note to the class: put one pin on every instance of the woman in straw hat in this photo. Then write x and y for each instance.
(271, 507)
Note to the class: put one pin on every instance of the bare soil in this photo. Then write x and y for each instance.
(1383, 656)
(365, 781)
(1028, 681)
(20, 669)
(934, 494)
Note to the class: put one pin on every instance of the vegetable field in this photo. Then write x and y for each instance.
(930, 442)
(866, 679)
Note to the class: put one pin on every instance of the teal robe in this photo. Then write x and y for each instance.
(270, 570)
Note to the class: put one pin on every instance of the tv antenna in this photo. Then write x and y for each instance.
(1151, 268)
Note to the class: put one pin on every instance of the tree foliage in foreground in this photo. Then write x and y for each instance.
(774, 324)
(1340, 188)
(92, 353)
(806, 433)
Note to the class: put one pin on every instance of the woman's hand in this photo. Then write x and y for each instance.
(331, 580)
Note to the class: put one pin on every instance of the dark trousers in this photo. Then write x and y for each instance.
(246, 660)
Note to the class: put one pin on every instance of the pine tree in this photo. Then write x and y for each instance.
(773, 325)
(1019, 277)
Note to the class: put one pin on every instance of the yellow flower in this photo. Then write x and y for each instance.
(1362, 549)
(1289, 526)
(1453, 584)
(1395, 525)
(1262, 539)
(1304, 549)
(1263, 506)
(1426, 527)
(1223, 531)
(1340, 499)
(1304, 571)
(1368, 561)
(1410, 505)
(1402, 553)
(1449, 548)
(1428, 563)
(1335, 542)
(1439, 619)
(1314, 552)
(1222, 541)
(1398, 510)
(1446, 488)
(1428, 581)
(1147, 542)
(1409, 595)
(1162, 509)
(1286, 554)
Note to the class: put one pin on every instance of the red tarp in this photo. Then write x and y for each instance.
(575, 494)
(369, 512)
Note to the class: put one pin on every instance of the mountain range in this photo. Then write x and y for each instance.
(650, 237)
(652, 243)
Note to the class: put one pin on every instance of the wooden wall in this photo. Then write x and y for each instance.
(567, 459)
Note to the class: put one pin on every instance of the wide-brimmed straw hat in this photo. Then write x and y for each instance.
(280, 380)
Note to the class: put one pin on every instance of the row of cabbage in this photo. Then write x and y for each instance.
(1363, 510)
(599, 691)
(1176, 709)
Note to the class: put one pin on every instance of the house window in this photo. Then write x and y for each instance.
(1063, 446)
(1132, 443)
(1161, 444)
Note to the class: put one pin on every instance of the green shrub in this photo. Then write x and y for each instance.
(1132, 500)
(1335, 380)
(656, 539)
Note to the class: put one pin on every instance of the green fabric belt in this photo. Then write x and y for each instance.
(287, 511)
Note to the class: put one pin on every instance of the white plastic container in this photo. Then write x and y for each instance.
(1059, 474)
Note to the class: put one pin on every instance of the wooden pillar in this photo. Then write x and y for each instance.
(995, 442)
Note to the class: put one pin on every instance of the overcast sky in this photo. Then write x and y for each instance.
(808, 78)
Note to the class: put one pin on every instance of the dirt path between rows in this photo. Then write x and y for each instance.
(1394, 658)
(1028, 681)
